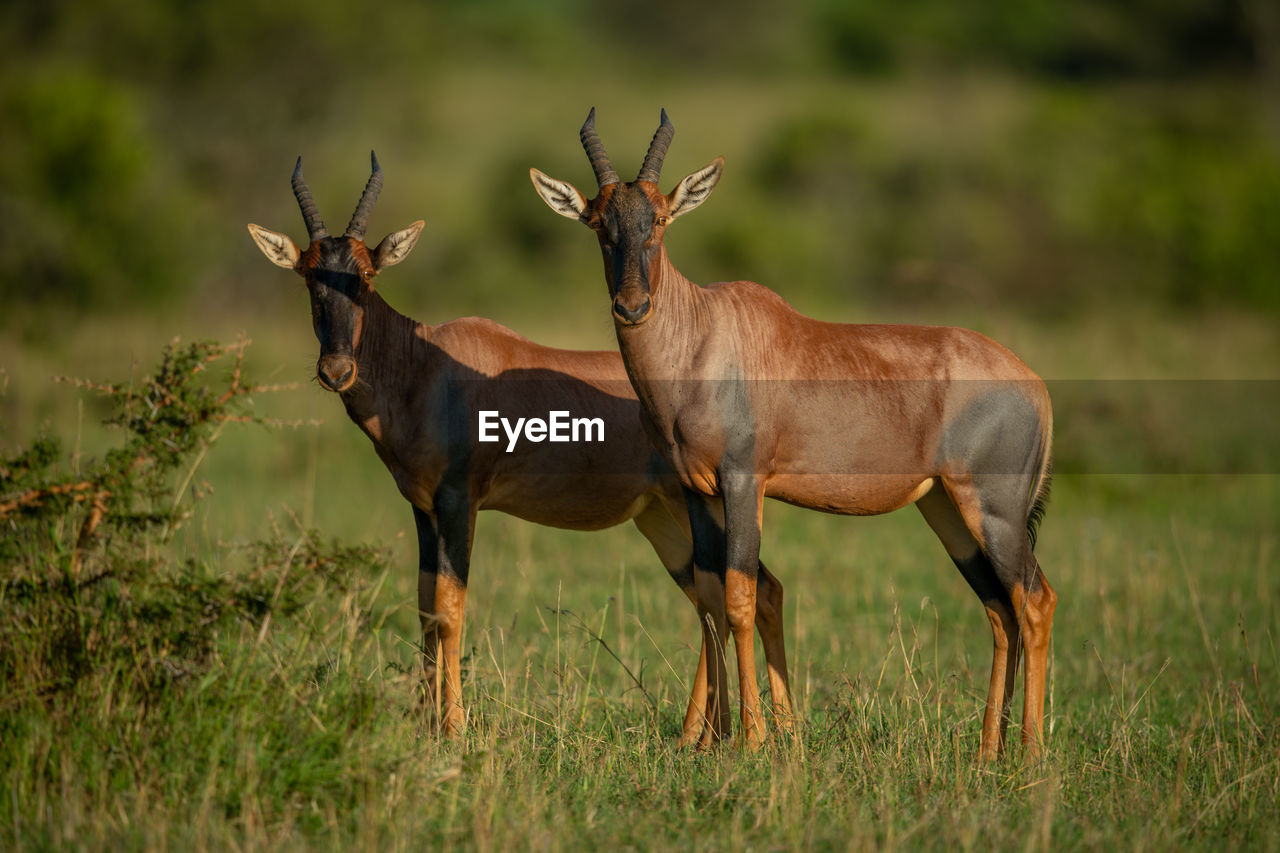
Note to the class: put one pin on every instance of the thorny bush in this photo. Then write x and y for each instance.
(91, 591)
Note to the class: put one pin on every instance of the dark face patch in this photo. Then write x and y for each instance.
(337, 271)
(630, 234)
(335, 279)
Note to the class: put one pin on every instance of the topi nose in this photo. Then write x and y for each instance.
(336, 372)
(631, 316)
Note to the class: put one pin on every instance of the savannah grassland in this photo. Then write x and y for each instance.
(235, 667)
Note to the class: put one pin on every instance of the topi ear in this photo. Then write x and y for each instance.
(694, 189)
(560, 196)
(396, 245)
(278, 248)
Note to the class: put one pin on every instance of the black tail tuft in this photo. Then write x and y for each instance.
(1038, 506)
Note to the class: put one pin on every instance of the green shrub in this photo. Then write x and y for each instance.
(91, 589)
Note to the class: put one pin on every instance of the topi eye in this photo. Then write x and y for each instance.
(663, 220)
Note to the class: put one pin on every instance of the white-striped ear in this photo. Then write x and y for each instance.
(694, 189)
(278, 248)
(396, 245)
(560, 196)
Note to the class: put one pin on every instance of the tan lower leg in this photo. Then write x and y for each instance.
(450, 600)
(769, 624)
(695, 716)
(1004, 666)
(740, 607)
(1035, 611)
(710, 592)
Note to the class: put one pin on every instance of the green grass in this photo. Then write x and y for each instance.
(301, 729)
(1162, 706)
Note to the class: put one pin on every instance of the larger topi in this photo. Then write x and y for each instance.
(748, 399)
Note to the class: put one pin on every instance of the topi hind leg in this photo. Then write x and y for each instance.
(709, 592)
(671, 542)
(1035, 604)
(1001, 525)
(947, 522)
(661, 525)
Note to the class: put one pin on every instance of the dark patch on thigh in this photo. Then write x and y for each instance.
(982, 578)
(996, 441)
(684, 575)
(428, 542)
(708, 535)
(998, 433)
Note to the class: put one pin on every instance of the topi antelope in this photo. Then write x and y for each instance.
(416, 391)
(747, 398)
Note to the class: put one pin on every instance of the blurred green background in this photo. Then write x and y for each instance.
(1095, 184)
(1046, 155)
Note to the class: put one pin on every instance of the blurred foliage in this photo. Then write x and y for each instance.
(76, 192)
(1035, 154)
(1088, 39)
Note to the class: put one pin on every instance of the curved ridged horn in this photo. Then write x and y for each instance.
(310, 213)
(360, 218)
(652, 167)
(595, 152)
